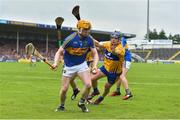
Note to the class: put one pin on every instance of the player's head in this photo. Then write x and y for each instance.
(115, 37)
(84, 27)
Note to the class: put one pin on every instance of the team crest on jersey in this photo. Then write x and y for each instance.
(108, 54)
(80, 43)
(75, 42)
(85, 43)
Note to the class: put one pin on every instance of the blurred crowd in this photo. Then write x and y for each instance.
(8, 49)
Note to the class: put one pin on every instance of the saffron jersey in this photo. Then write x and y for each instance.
(113, 62)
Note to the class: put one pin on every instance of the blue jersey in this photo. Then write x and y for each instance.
(76, 49)
(127, 56)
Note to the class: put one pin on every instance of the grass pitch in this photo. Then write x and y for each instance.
(32, 92)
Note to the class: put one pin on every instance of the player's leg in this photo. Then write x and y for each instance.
(107, 87)
(86, 79)
(74, 84)
(111, 80)
(64, 87)
(125, 68)
(117, 92)
(68, 75)
(75, 89)
(125, 81)
(94, 79)
(125, 84)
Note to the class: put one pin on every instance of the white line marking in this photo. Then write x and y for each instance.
(101, 80)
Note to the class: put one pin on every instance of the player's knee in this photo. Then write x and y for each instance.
(107, 89)
(107, 86)
(64, 89)
(122, 77)
(88, 85)
(93, 79)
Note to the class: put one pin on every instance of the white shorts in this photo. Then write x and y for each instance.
(127, 64)
(71, 71)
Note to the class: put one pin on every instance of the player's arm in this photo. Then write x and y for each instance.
(58, 57)
(94, 55)
(95, 59)
(97, 43)
(59, 54)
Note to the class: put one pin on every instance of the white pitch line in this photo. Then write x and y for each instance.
(156, 84)
(33, 77)
(104, 80)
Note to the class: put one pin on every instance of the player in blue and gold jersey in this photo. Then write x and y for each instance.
(112, 68)
(74, 51)
(89, 60)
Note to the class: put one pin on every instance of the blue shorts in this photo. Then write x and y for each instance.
(110, 76)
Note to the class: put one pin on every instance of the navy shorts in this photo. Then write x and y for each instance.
(111, 77)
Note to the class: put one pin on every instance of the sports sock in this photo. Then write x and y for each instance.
(127, 91)
(62, 105)
(118, 89)
(101, 98)
(82, 100)
(96, 90)
(75, 90)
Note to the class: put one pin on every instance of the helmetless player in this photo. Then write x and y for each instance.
(74, 50)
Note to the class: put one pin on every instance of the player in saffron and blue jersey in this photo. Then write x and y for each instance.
(126, 67)
(112, 68)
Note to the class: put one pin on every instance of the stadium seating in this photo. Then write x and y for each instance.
(8, 51)
(160, 53)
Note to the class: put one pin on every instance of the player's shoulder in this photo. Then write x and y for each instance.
(123, 41)
(119, 45)
(71, 36)
(90, 38)
(68, 39)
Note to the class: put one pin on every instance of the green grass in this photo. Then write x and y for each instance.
(32, 92)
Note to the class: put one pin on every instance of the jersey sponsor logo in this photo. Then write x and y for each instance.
(111, 56)
(77, 51)
(75, 43)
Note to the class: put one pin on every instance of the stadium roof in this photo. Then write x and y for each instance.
(9, 29)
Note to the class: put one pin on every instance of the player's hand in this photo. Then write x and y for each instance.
(54, 67)
(94, 70)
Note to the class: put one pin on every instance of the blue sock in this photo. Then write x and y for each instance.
(101, 97)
